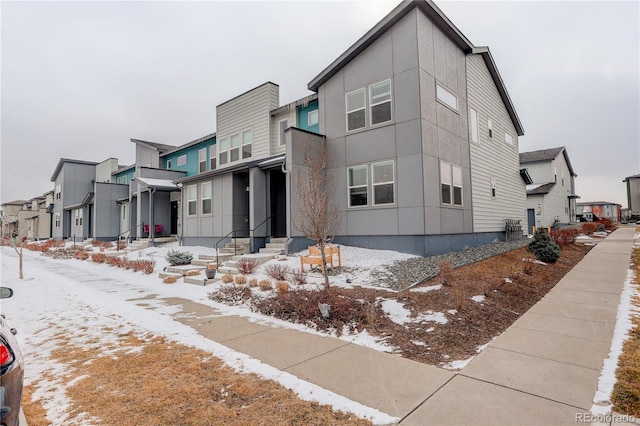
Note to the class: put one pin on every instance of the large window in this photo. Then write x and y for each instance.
(212, 157)
(205, 190)
(451, 184)
(380, 99)
(381, 189)
(356, 115)
(282, 126)
(202, 160)
(192, 200)
(446, 97)
(358, 186)
(473, 118)
(235, 147)
(234, 152)
(383, 183)
(78, 217)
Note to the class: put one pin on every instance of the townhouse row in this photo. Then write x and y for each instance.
(422, 134)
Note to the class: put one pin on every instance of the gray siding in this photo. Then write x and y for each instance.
(290, 116)
(106, 217)
(493, 158)
(220, 221)
(555, 204)
(633, 189)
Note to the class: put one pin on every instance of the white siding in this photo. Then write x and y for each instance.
(556, 201)
(493, 157)
(251, 110)
(290, 116)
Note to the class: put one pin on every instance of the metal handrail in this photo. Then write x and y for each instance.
(235, 244)
(253, 231)
(128, 231)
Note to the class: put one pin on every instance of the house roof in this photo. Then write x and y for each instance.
(161, 147)
(300, 102)
(631, 177)
(597, 203)
(159, 184)
(190, 144)
(540, 189)
(547, 155)
(15, 203)
(444, 24)
(62, 161)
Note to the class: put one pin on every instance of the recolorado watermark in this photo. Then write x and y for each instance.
(604, 418)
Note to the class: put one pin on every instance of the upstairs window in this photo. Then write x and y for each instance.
(192, 200)
(356, 112)
(169, 164)
(450, 184)
(182, 160)
(446, 97)
(58, 191)
(224, 148)
(380, 98)
(212, 157)
(358, 186)
(282, 126)
(234, 152)
(312, 118)
(205, 189)
(247, 140)
(473, 122)
(202, 160)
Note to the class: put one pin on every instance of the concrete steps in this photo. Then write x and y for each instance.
(231, 266)
(275, 246)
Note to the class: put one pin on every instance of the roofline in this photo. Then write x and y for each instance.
(231, 169)
(250, 90)
(597, 203)
(502, 89)
(72, 161)
(123, 169)
(561, 149)
(300, 102)
(150, 145)
(190, 144)
(426, 6)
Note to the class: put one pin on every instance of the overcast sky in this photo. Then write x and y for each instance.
(80, 79)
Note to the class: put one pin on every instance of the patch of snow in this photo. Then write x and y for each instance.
(418, 343)
(530, 260)
(459, 365)
(508, 280)
(602, 402)
(479, 298)
(452, 311)
(396, 311)
(438, 317)
(426, 289)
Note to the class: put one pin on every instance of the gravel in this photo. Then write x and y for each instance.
(406, 273)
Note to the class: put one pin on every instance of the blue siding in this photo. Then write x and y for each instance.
(128, 174)
(192, 165)
(303, 117)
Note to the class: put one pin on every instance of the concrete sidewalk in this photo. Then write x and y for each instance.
(543, 370)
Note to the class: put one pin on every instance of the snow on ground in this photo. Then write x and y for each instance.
(92, 301)
(400, 315)
(426, 289)
(479, 298)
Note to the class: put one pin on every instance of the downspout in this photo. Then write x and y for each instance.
(152, 226)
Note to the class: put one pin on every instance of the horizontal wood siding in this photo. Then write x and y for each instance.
(290, 116)
(493, 157)
(251, 110)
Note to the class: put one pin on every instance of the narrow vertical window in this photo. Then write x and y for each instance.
(124, 211)
(445, 182)
(169, 164)
(312, 118)
(282, 126)
(493, 187)
(247, 139)
(380, 99)
(490, 128)
(192, 200)
(358, 185)
(356, 115)
(456, 173)
(234, 151)
(202, 160)
(383, 183)
(473, 118)
(205, 190)
(212, 157)
(224, 148)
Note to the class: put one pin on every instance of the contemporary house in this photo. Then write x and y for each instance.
(589, 211)
(11, 225)
(551, 196)
(633, 195)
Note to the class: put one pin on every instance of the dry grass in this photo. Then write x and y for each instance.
(626, 392)
(282, 286)
(170, 280)
(265, 285)
(167, 383)
(227, 278)
(240, 279)
(192, 273)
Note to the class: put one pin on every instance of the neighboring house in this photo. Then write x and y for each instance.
(551, 195)
(11, 225)
(589, 211)
(633, 195)
(39, 221)
(423, 135)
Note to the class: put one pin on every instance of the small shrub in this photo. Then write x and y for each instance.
(98, 257)
(177, 257)
(589, 227)
(543, 248)
(564, 236)
(103, 244)
(247, 265)
(145, 266)
(170, 280)
(253, 282)
(81, 255)
(608, 224)
(240, 279)
(231, 294)
(265, 285)
(298, 277)
(459, 293)
(277, 271)
(444, 272)
(192, 273)
(227, 278)
(490, 281)
(282, 286)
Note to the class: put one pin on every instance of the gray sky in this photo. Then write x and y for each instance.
(80, 79)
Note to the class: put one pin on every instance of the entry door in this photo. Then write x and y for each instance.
(174, 218)
(531, 218)
(278, 200)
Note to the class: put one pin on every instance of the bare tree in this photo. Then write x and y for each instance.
(318, 218)
(11, 237)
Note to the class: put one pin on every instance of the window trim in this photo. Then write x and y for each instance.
(451, 184)
(350, 187)
(57, 221)
(192, 200)
(473, 125)
(213, 157)
(374, 184)
(223, 141)
(169, 164)
(281, 130)
(202, 160)
(315, 112)
(181, 160)
(203, 198)
(371, 104)
(364, 108)
(243, 144)
(440, 92)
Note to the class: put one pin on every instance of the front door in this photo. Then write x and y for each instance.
(531, 218)
(278, 201)
(174, 218)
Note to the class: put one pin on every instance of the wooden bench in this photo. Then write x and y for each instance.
(314, 257)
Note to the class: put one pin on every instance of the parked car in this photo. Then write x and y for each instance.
(11, 370)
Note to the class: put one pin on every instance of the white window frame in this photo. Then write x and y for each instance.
(490, 128)
(351, 111)
(315, 116)
(473, 124)
(446, 97)
(387, 182)
(203, 197)
(281, 130)
(123, 208)
(213, 157)
(246, 144)
(58, 191)
(202, 160)
(451, 176)
(78, 217)
(350, 186)
(192, 200)
(508, 138)
(169, 164)
(182, 160)
(223, 153)
(235, 149)
(373, 104)
(57, 219)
